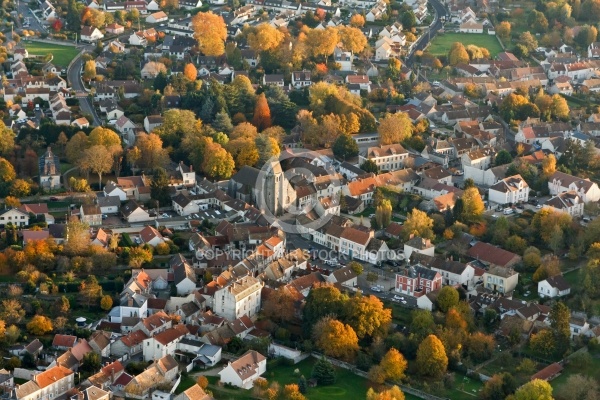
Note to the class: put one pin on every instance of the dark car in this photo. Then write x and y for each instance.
(520, 206)
(53, 198)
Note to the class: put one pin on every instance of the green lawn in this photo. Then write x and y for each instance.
(442, 42)
(62, 54)
(592, 370)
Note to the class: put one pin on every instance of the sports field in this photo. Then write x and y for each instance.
(62, 54)
(441, 44)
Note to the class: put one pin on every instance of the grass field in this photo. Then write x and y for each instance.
(442, 42)
(62, 54)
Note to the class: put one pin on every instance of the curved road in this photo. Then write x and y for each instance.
(430, 32)
(85, 103)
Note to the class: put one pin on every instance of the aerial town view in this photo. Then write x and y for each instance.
(299, 199)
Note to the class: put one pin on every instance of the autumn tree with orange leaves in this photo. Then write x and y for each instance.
(210, 31)
(190, 72)
(262, 113)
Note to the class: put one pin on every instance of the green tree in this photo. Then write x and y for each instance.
(324, 372)
(345, 147)
(159, 187)
(369, 166)
(537, 21)
(503, 157)
(499, 387)
(559, 323)
(447, 298)
(91, 362)
(322, 300)
(431, 357)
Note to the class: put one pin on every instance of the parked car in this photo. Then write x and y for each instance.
(539, 206)
(508, 211)
(520, 206)
(53, 198)
(376, 289)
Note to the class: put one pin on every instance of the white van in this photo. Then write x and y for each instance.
(508, 211)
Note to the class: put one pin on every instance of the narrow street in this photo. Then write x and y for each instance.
(74, 78)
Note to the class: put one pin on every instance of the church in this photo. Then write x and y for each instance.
(49, 170)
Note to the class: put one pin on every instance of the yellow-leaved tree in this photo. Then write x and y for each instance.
(210, 31)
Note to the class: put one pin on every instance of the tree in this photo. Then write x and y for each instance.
(62, 305)
(12, 202)
(369, 166)
(202, 381)
(537, 21)
(586, 36)
(579, 386)
(352, 39)
(243, 151)
(479, 346)
(367, 316)
(90, 291)
(322, 42)
(20, 188)
(91, 362)
(528, 40)
(393, 393)
(106, 302)
(457, 54)
(138, 256)
(559, 323)
(356, 267)
(12, 312)
(159, 187)
(99, 160)
(79, 185)
(279, 306)
(503, 30)
(560, 107)
(190, 72)
(418, 224)
(431, 357)
(264, 37)
(218, 163)
(210, 31)
(447, 298)
(498, 387)
(7, 171)
(89, 70)
(536, 389)
(394, 128)
(357, 21)
(383, 213)
(393, 364)
(151, 152)
(503, 157)
(324, 372)
(345, 147)
(262, 113)
(335, 339)
(473, 206)
(222, 122)
(408, 19)
(39, 325)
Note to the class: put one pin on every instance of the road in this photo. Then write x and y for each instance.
(428, 33)
(85, 103)
(23, 8)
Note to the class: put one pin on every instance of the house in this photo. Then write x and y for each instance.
(344, 276)
(90, 34)
(99, 341)
(138, 39)
(301, 79)
(109, 204)
(184, 275)
(130, 345)
(53, 382)
(568, 202)
(150, 236)
(510, 190)
(555, 286)
(578, 326)
(49, 167)
(273, 79)
(115, 29)
(239, 297)
(157, 17)
(245, 370)
(492, 255)
(417, 281)
(418, 245)
(125, 126)
(64, 342)
(561, 182)
(193, 393)
(190, 4)
(133, 212)
(164, 343)
(387, 158)
(151, 122)
(162, 372)
(500, 279)
(14, 217)
(90, 214)
(454, 272)
(81, 123)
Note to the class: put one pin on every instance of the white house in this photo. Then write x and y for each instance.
(344, 276)
(184, 275)
(387, 158)
(239, 297)
(513, 189)
(91, 34)
(245, 370)
(155, 18)
(555, 286)
(163, 343)
(500, 279)
(560, 182)
(13, 216)
(151, 122)
(418, 245)
(53, 382)
(568, 202)
(455, 273)
(150, 236)
(132, 212)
